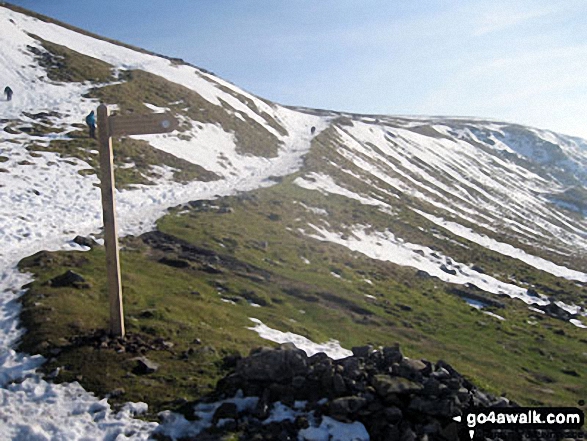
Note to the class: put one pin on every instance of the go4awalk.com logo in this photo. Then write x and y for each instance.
(524, 423)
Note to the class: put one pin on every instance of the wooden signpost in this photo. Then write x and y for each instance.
(109, 126)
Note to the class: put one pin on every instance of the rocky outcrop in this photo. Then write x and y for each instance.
(394, 397)
(69, 279)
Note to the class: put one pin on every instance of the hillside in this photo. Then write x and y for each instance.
(460, 239)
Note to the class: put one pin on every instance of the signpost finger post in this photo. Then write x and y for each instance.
(109, 126)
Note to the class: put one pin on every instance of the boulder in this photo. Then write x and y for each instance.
(145, 366)
(273, 365)
(386, 385)
(85, 241)
(69, 279)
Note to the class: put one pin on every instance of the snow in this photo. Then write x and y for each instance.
(506, 249)
(332, 430)
(331, 348)
(45, 202)
(176, 426)
(385, 246)
(326, 184)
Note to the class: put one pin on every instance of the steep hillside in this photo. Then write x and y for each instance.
(460, 239)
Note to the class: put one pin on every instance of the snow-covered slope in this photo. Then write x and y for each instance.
(514, 190)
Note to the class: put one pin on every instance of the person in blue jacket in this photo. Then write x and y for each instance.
(91, 122)
(8, 92)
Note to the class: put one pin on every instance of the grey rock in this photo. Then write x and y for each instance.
(145, 366)
(362, 351)
(342, 408)
(392, 355)
(386, 385)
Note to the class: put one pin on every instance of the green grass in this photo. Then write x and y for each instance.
(64, 65)
(133, 160)
(141, 87)
(260, 254)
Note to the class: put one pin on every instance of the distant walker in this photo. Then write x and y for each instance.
(91, 122)
(8, 92)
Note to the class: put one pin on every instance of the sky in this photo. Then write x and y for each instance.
(523, 62)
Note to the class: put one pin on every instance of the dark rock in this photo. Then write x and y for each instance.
(342, 408)
(301, 422)
(338, 385)
(175, 263)
(393, 414)
(392, 355)
(444, 408)
(278, 365)
(412, 369)
(352, 367)
(362, 351)
(478, 269)
(225, 411)
(85, 241)
(556, 311)
(263, 406)
(571, 372)
(447, 270)
(386, 385)
(116, 393)
(230, 361)
(408, 435)
(532, 292)
(396, 398)
(421, 274)
(69, 279)
(145, 366)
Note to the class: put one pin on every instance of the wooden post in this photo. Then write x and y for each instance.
(110, 231)
(108, 126)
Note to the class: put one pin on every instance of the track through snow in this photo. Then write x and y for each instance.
(46, 203)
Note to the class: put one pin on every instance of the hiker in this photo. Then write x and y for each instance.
(8, 92)
(91, 122)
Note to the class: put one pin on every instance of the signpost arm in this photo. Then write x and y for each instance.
(110, 231)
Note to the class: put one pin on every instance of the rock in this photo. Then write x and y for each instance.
(225, 411)
(362, 351)
(408, 435)
(532, 292)
(556, 311)
(342, 408)
(352, 367)
(69, 279)
(440, 374)
(413, 369)
(262, 408)
(393, 414)
(279, 365)
(85, 241)
(145, 366)
(394, 397)
(386, 385)
(478, 269)
(447, 270)
(338, 385)
(392, 355)
(444, 408)
(175, 263)
(118, 392)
